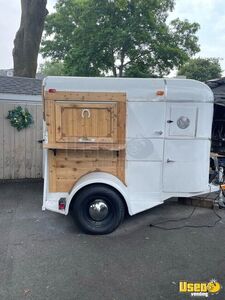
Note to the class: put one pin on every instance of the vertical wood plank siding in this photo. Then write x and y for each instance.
(20, 152)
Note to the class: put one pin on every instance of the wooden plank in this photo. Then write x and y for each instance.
(50, 120)
(121, 123)
(87, 155)
(66, 168)
(70, 173)
(121, 164)
(20, 152)
(38, 137)
(30, 145)
(85, 146)
(63, 185)
(66, 184)
(1, 140)
(51, 172)
(121, 139)
(58, 122)
(8, 144)
(84, 96)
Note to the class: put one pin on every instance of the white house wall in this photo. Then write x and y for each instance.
(20, 152)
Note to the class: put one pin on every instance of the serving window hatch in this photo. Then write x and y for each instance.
(86, 122)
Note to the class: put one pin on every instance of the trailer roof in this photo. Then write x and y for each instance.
(137, 89)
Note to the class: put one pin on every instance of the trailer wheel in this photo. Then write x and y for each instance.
(98, 209)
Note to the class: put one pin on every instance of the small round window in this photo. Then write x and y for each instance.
(183, 122)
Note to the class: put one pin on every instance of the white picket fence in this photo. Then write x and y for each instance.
(20, 152)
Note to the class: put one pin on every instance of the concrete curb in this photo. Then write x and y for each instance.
(198, 201)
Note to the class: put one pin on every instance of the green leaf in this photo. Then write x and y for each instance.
(20, 118)
(118, 37)
(201, 69)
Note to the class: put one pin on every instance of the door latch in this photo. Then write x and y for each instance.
(41, 141)
(169, 121)
(159, 132)
(170, 161)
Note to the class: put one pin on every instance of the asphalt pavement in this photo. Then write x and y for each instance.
(44, 255)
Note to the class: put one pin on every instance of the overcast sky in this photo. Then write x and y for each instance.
(210, 14)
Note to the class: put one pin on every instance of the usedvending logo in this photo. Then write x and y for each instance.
(200, 289)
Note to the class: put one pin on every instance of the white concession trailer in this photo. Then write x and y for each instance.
(117, 144)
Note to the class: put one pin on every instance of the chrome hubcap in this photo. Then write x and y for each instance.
(98, 210)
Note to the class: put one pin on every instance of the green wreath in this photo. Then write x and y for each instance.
(20, 118)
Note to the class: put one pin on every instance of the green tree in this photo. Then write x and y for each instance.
(119, 37)
(201, 69)
(52, 68)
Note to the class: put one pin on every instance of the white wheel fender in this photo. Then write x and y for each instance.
(98, 177)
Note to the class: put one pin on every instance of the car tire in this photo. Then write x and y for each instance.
(98, 209)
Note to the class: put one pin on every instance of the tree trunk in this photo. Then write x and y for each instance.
(114, 71)
(28, 37)
(121, 67)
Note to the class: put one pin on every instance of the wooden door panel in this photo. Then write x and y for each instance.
(86, 122)
(100, 123)
(72, 125)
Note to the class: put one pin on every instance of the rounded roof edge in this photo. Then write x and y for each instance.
(142, 89)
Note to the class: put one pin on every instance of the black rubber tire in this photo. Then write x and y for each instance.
(82, 202)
